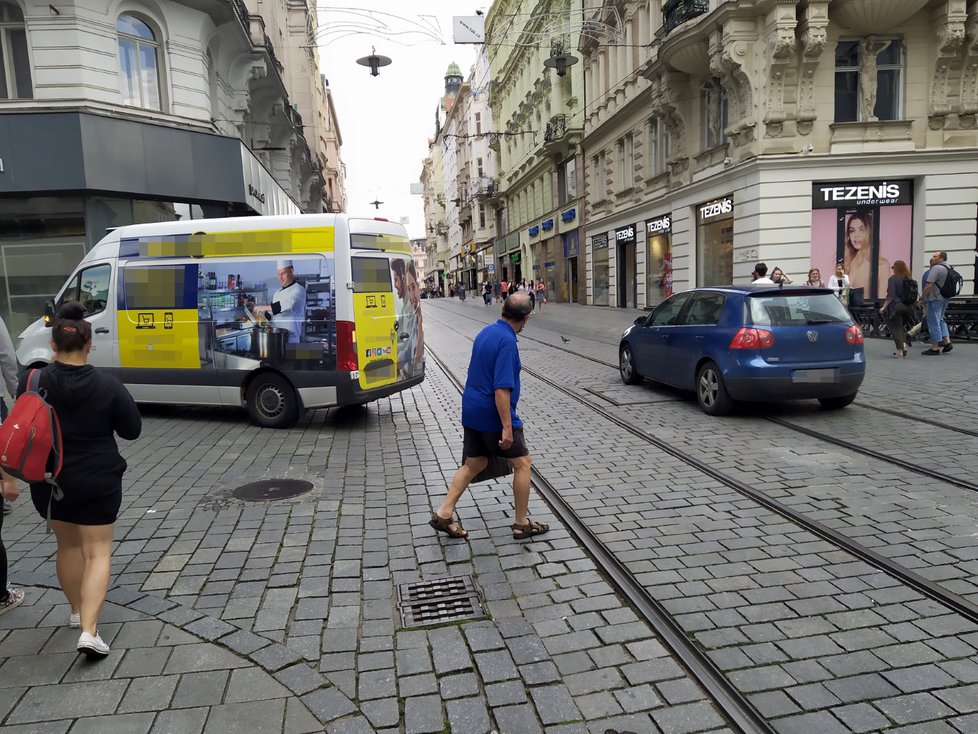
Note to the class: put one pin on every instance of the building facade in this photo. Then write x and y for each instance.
(802, 134)
(537, 107)
(113, 114)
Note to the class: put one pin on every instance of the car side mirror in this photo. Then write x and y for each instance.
(640, 320)
(49, 313)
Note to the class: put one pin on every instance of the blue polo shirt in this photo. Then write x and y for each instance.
(495, 364)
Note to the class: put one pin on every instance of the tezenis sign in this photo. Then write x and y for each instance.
(838, 195)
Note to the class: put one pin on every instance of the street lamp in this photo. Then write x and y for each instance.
(560, 61)
(374, 61)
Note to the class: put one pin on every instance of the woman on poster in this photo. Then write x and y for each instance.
(859, 253)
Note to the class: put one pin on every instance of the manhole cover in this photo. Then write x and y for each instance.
(272, 489)
(439, 601)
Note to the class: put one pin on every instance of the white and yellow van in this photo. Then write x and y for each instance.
(276, 314)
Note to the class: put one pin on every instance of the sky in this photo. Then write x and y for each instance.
(386, 121)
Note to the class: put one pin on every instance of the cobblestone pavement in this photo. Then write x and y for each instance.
(282, 617)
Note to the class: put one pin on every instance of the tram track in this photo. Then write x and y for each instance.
(922, 585)
(734, 705)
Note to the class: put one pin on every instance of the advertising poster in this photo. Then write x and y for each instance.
(866, 227)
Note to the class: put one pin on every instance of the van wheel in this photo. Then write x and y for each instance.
(272, 401)
(711, 393)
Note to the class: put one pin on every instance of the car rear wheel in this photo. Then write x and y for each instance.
(272, 401)
(626, 366)
(711, 392)
(837, 403)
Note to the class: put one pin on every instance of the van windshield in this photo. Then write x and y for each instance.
(797, 309)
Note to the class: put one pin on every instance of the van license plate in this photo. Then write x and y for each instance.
(815, 376)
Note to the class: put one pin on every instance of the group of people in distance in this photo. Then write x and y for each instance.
(500, 290)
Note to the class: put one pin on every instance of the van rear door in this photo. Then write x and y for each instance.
(375, 319)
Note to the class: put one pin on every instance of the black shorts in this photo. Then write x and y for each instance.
(486, 443)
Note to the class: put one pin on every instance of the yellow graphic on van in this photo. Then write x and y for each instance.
(231, 244)
(158, 338)
(376, 340)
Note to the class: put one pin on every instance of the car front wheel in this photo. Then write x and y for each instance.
(272, 401)
(626, 366)
(837, 403)
(711, 392)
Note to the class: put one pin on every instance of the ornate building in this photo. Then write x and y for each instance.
(537, 102)
(151, 110)
(720, 133)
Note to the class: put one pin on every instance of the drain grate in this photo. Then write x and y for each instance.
(272, 489)
(438, 601)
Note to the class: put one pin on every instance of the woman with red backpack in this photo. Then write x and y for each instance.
(9, 597)
(91, 408)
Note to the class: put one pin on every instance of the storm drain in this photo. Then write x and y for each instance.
(438, 601)
(272, 489)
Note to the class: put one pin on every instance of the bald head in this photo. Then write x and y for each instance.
(517, 307)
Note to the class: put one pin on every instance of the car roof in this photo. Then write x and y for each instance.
(759, 289)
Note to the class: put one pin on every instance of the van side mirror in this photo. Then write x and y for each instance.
(49, 313)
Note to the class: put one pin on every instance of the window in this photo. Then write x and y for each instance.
(658, 146)
(626, 164)
(139, 53)
(566, 181)
(482, 217)
(714, 114)
(478, 163)
(797, 310)
(869, 79)
(704, 309)
(667, 312)
(478, 123)
(15, 68)
(371, 275)
(90, 288)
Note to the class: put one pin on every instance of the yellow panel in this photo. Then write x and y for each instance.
(242, 243)
(159, 338)
(376, 338)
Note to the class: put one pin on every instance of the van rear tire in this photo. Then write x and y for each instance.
(272, 402)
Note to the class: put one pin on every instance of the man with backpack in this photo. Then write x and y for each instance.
(943, 283)
(9, 598)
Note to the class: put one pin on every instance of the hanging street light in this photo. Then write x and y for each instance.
(375, 62)
(560, 61)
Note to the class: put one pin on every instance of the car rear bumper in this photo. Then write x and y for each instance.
(778, 384)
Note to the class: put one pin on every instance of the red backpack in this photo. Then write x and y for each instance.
(30, 437)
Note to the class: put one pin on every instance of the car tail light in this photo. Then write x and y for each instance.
(346, 346)
(854, 335)
(748, 338)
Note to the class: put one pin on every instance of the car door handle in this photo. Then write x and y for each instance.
(101, 330)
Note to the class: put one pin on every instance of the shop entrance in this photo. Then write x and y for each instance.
(626, 267)
(572, 281)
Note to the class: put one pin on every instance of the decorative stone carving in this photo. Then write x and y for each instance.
(731, 63)
(968, 114)
(950, 39)
(783, 47)
(666, 90)
(814, 37)
(869, 50)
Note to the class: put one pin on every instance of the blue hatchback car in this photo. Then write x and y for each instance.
(748, 343)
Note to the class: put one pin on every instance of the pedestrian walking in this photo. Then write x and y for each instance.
(91, 407)
(490, 423)
(901, 294)
(505, 289)
(9, 597)
(497, 291)
(839, 283)
(461, 291)
(531, 292)
(936, 305)
(487, 293)
(541, 294)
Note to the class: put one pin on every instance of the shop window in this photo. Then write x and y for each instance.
(15, 67)
(139, 63)
(658, 146)
(626, 165)
(869, 79)
(715, 111)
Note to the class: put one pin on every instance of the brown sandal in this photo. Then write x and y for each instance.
(532, 527)
(443, 525)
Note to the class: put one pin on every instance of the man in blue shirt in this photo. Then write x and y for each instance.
(491, 426)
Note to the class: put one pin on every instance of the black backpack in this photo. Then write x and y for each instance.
(952, 283)
(909, 291)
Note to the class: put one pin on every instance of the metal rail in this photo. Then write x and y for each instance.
(918, 419)
(732, 703)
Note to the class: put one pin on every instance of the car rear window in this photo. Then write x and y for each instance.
(796, 309)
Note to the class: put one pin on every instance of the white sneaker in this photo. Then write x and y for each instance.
(74, 619)
(92, 645)
(14, 598)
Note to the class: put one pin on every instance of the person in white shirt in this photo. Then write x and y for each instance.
(839, 283)
(760, 275)
(288, 306)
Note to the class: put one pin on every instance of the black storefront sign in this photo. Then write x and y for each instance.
(839, 195)
(625, 235)
(599, 241)
(660, 225)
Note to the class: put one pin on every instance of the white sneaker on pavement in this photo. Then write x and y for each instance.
(14, 598)
(74, 619)
(92, 645)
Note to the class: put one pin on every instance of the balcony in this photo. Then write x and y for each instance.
(559, 139)
(677, 12)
